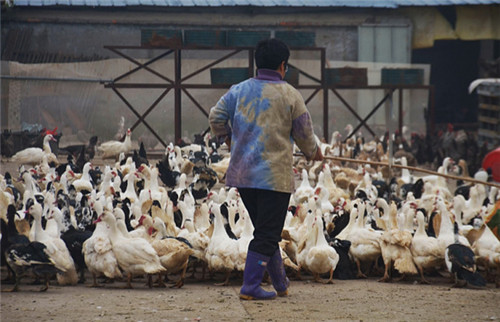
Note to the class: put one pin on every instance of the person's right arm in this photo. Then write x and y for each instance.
(303, 132)
(219, 118)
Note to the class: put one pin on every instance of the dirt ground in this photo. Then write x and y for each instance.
(203, 301)
(347, 300)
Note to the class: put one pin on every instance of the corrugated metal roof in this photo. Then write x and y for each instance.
(417, 3)
(253, 3)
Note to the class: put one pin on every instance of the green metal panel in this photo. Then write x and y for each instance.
(246, 38)
(209, 38)
(346, 76)
(402, 76)
(297, 38)
(228, 75)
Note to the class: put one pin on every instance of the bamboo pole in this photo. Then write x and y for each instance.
(449, 176)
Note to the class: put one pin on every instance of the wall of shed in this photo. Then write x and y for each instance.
(34, 36)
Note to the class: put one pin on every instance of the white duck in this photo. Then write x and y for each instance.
(406, 176)
(187, 211)
(335, 193)
(98, 252)
(174, 254)
(289, 234)
(105, 187)
(120, 221)
(458, 211)
(54, 219)
(305, 215)
(115, 186)
(166, 216)
(33, 155)
(437, 184)
(477, 194)
(130, 192)
(382, 220)
(395, 248)
(56, 249)
(321, 257)
(425, 250)
(112, 149)
(181, 185)
(244, 240)
(307, 240)
(135, 256)
(43, 169)
(222, 252)
(198, 239)
(353, 214)
(142, 230)
(202, 218)
(365, 242)
(304, 191)
(152, 185)
(487, 249)
(234, 208)
(335, 138)
(446, 234)
(84, 182)
(323, 195)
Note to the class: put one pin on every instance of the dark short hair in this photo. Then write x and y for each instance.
(270, 53)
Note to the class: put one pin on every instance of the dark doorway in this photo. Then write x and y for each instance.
(454, 65)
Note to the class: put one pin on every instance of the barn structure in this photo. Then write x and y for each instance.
(157, 66)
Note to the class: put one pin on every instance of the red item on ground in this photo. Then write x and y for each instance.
(492, 160)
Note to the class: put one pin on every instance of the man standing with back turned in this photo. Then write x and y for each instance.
(261, 117)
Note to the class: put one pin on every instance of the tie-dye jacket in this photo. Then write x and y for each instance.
(264, 116)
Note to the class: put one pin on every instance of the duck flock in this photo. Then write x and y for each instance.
(161, 220)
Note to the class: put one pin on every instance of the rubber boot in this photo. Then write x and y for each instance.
(276, 271)
(255, 266)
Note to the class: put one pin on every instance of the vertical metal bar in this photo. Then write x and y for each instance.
(177, 91)
(325, 95)
(400, 124)
(431, 115)
(390, 149)
(251, 66)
